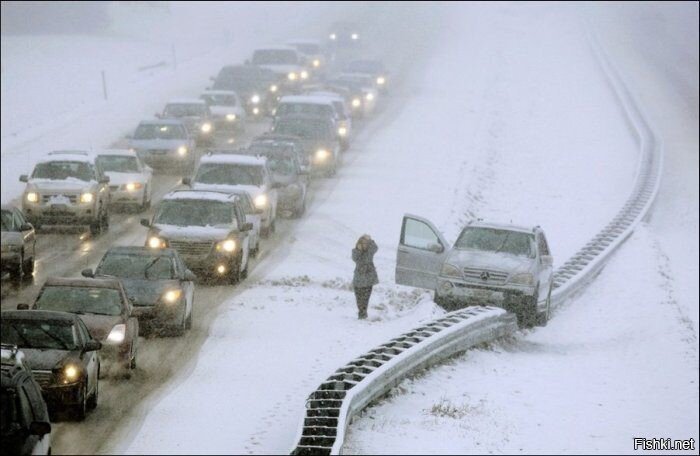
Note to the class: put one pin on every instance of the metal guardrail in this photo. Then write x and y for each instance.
(363, 380)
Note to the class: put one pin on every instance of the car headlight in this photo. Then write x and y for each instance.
(369, 97)
(230, 117)
(182, 150)
(381, 80)
(70, 373)
(333, 36)
(172, 296)
(273, 88)
(117, 334)
(304, 74)
(256, 110)
(155, 242)
(255, 99)
(133, 186)
(356, 102)
(229, 245)
(523, 279)
(206, 127)
(354, 36)
(260, 201)
(316, 63)
(32, 197)
(450, 270)
(322, 154)
(292, 76)
(342, 131)
(87, 197)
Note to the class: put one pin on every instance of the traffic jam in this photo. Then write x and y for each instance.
(248, 149)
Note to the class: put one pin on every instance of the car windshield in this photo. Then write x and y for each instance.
(7, 224)
(154, 131)
(184, 110)
(219, 100)
(229, 174)
(118, 163)
(184, 212)
(137, 266)
(307, 129)
(281, 165)
(40, 334)
(286, 109)
(274, 57)
(495, 240)
(62, 170)
(80, 300)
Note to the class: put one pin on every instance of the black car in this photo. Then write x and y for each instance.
(257, 87)
(25, 418)
(158, 283)
(319, 137)
(63, 356)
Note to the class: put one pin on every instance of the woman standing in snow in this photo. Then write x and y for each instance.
(365, 276)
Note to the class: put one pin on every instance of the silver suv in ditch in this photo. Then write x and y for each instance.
(497, 264)
(67, 188)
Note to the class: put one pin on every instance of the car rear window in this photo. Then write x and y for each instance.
(80, 300)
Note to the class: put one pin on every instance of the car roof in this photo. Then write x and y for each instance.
(38, 315)
(502, 226)
(68, 155)
(119, 152)
(304, 117)
(162, 122)
(141, 249)
(219, 92)
(187, 101)
(306, 99)
(233, 158)
(83, 282)
(276, 47)
(329, 95)
(200, 195)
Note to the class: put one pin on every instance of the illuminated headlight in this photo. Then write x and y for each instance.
(32, 197)
(381, 80)
(221, 269)
(255, 99)
(182, 150)
(229, 245)
(322, 155)
(260, 201)
(356, 102)
(354, 36)
(155, 242)
(71, 373)
(230, 117)
(172, 296)
(87, 198)
(316, 63)
(342, 131)
(292, 76)
(304, 74)
(523, 279)
(206, 127)
(133, 186)
(449, 270)
(273, 88)
(256, 111)
(333, 36)
(116, 335)
(369, 97)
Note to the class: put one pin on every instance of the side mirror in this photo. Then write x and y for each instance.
(190, 276)
(87, 273)
(23, 178)
(26, 227)
(40, 428)
(436, 248)
(22, 306)
(187, 181)
(92, 345)
(104, 180)
(145, 223)
(547, 260)
(247, 226)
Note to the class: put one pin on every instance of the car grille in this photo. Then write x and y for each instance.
(476, 275)
(43, 378)
(72, 198)
(191, 248)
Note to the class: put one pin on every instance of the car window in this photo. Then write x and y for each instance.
(542, 244)
(136, 266)
(229, 174)
(418, 234)
(47, 334)
(62, 170)
(151, 131)
(496, 240)
(281, 165)
(219, 100)
(118, 163)
(80, 300)
(185, 110)
(194, 213)
(286, 109)
(8, 221)
(240, 215)
(306, 129)
(83, 331)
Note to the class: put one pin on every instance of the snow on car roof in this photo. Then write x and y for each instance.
(234, 159)
(120, 152)
(219, 92)
(82, 282)
(502, 226)
(327, 95)
(309, 99)
(186, 101)
(199, 195)
(67, 155)
(161, 122)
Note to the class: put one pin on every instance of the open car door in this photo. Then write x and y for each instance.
(422, 250)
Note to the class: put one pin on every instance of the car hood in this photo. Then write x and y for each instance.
(67, 185)
(157, 143)
(11, 238)
(116, 178)
(497, 261)
(282, 69)
(221, 111)
(100, 325)
(253, 190)
(47, 359)
(192, 233)
(147, 292)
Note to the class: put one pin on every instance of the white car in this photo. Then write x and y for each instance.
(285, 61)
(253, 216)
(228, 113)
(130, 180)
(342, 111)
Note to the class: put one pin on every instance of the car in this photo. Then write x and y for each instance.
(228, 113)
(67, 188)
(286, 171)
(292, 105)
(320, 139)
(343, 114)
(228, 171)
(502, 264)
(164, 144)
(130, 180)
(285, 61)
(18, 244)
(343, 34)
(64, 357)
(158, 284)
(313, 52)
(106, 310)
(257, 87)
(373, 68)
(365, 94)
(253, 215)
(26, 426)
(295, 143)
(196, 116)
(208, 230)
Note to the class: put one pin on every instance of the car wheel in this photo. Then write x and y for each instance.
(92, 402)
(244, 272)
(234, 274)
(300, 211)
(527, 312)
(132, 363)
(441, 302)
(146, 203)
(28, 268)
(17, 272)
(188, 322)
(96, 226)
(105, 221)
(81, 408)
(543, 317)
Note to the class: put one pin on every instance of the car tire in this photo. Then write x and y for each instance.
(17, 272)
(92, 402)
(527, 312)
(146, 203)
(234, 275)
(543, 317)
(244, 272)
(441, 302)
(96, 226)
(81, 408)
(188, 321)
(104, 221)
(301, 210)
(28, 270)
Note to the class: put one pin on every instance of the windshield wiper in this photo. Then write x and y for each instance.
(503, 244)
(148, 266)
(54, 337)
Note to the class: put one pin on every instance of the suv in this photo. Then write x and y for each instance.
(227, 111)
(319, 137)
(226, 171)
(25, 419)
(18, 244)
(207, 229)
(257, 87)
(164, 143)
(285, 61)
(196, 116)
(67, 188)
(505, 265)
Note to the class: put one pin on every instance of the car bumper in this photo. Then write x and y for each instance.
(158, 317)
(119, 197)
(466, 292)
(67, 214)
(208, 264)
(58, 396)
